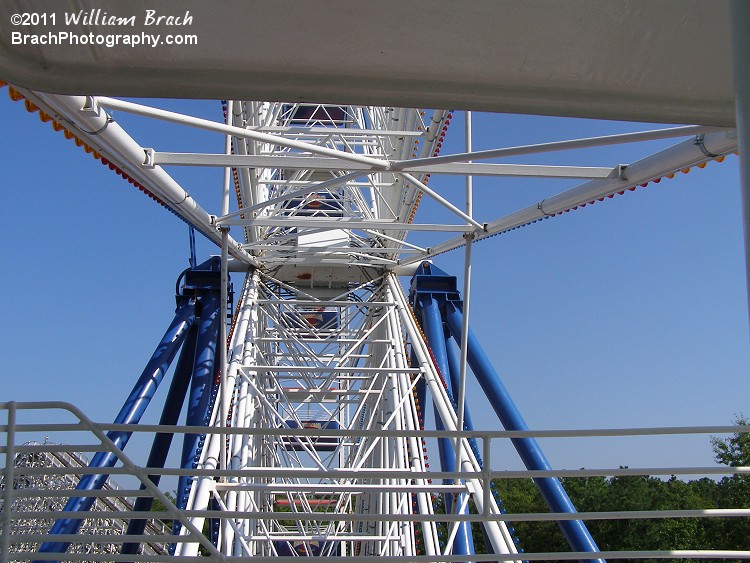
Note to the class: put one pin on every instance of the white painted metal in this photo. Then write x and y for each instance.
(324, 452)
(174, 117)
(670, 161)
(46, 490)
(740, 54)
(286, 387)
(466, 294)
(322, 163)
(640, 136)
(106, 136)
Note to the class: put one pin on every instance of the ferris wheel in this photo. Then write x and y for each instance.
(318, 391)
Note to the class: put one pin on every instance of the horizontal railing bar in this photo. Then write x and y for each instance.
(563, 433)
(322, 488)
(491, 434)
(118, 494)
(102, 538)
(353, 517)
(381, 473)
(479, 558)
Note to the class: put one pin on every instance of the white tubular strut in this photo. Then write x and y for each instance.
(497, 531)
(99, 131)
(241, 346)
(681, 156)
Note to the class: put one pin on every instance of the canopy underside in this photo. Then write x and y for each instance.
(666, 61)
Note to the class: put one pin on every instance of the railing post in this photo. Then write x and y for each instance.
(551, 489)
(130, 413)
(741, 61)
(10, 454)
(487, 471)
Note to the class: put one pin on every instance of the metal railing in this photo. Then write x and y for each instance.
(28, 510)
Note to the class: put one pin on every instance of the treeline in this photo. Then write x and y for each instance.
(599, 494)
(628, 493)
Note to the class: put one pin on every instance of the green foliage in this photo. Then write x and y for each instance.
(624, 493)
(522, 495)
(733, 451)
(630, 493)
(158, 506)
(733, 491)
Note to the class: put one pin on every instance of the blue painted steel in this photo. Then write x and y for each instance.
(575, 531)
(455, 372)
(431, 282)
(429, 279)
(421, 391)
(205, 282)
(455, 376)
(131, 413)
(432, 325)
(163, 440)
(193, 262)
(201, 387)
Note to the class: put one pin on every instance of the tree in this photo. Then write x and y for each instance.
(158, 506)
(733, 451)
(734, 490)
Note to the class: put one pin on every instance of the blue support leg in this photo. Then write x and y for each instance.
(432, 325)
(420, 389)
(575, 531)
(131, 413)
(199, 400)
(163, 440)
(453, 361)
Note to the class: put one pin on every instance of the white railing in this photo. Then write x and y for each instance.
(20, 537)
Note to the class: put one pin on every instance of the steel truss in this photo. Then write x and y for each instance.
(31, 499)
(305, 433)
(350, 373)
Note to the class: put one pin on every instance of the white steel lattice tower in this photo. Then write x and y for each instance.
(319, 344)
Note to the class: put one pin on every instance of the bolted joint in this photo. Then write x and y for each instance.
(91, 105)
(621, 171)
(148, 158)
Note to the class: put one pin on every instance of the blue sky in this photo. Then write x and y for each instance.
(631, 312)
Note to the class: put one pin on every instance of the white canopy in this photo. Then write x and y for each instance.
(657, 60)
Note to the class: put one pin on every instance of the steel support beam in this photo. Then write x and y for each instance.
(678, 157)
(240, 132)
(131, 413)
(432, 325)
(345, 223)
(575, 531)
(154, 158)
(640, 136)
(100, 132)
(163, 440)
(455, 379)
(741, 60)
(201, 390)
